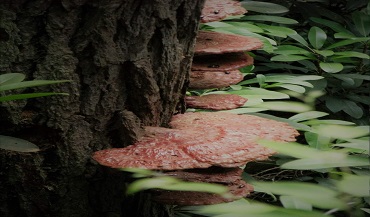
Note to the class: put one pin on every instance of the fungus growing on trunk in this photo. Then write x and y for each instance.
(215, 101)
(200, 140)
(214, 79)
(229, 177)
(220, 43)
(215, 10)
(221, 62)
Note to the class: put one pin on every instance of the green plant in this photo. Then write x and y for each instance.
(13, 82)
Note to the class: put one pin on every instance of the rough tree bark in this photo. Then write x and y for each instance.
(128, 61)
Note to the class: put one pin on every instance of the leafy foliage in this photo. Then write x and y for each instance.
(15, 81)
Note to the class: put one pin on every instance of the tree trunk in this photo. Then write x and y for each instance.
(128, 61)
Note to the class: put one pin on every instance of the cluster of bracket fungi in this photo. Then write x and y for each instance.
(206, 146)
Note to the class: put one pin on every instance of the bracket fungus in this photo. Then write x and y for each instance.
(221, 62)
(220, 43)
(215, 10)
(200, 140)
(215, 101)
(214, 79)
(229, 177)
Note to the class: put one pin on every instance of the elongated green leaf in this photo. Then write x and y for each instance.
(317, 37)
(291, 202)
(334, 104)
(328, 162)
(264, 7)
(296, 125)
(245, 110)
(289, 58)
(27, 96)
(362, 145)
(308, 115)
(331, 67)
(291, 87)
(362, 22)
(248, 26)
(252, 92)
(278, 31)
(333, 25)
(243, 208)
(33, 83)
(300, 151)
(353, 76)
(300, 39)
(358, 186)
(341, 131)
(274, 19)
(10, 78)
(352, 54)
(325, 53)
(172, 184)
(16, 144)
(285, 106)
(347, 42)
(290, 49)
(329, 122)
(267, 42)
(313, 194)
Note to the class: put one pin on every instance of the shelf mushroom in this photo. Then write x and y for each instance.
(201, 140)
(215, 101)
(215, 10)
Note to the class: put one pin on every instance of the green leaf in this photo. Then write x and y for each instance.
(26, 84)
(316, 195)
(278, 31)
(300, 39)
(172, 184)
(331, 67)
(290, 49)
(10, 78)
(347, 42)
(333, 25)
(352, 109)
(296, 107)
(324, 53)
(334, 104)
(16, 144)
(291, 87)
(316, 37)
(27, 96)
(289, 58)
(254, 93)
(362, 22)
(330, 122)
(300, 151)
(352, 54)
(341, 131)
(317, 141)
(264, 7)
(244, 110)
(353, 76)
(244, 208)
(248, 26)
(327, 162)
(362, 145)
(358, 186)
(308, 115)
(296, 125)
(274, 19)
(291, 202)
